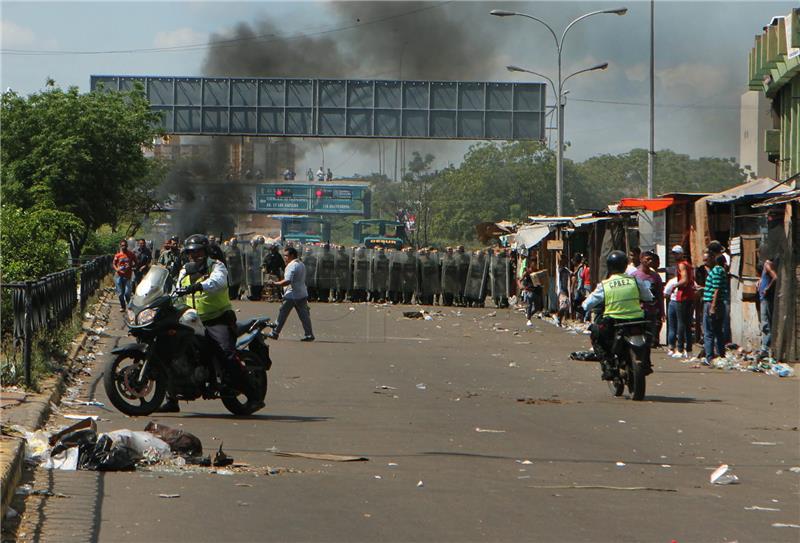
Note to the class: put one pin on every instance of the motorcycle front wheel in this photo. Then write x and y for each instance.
(241, 404)
(129, 394)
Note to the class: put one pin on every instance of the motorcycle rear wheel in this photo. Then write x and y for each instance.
(636, 378)
(242, 405)
(126, 394)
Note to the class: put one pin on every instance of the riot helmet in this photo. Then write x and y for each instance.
(616, 262)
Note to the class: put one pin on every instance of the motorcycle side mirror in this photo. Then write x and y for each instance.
(191, 268)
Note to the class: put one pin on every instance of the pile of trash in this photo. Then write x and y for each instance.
(737, 358)
(81, 447)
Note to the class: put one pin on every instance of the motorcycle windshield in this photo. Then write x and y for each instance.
(151, 287)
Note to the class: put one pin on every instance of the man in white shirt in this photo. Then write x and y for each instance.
(295, 295)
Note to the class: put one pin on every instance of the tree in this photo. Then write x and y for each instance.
(80, 154)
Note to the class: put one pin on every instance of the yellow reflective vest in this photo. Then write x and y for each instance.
(209, 305)
(621, 295)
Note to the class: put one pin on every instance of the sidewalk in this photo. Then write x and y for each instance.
(30, 410)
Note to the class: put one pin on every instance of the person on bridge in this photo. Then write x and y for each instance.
(206, 288)
(622, 296)
(320, 174)
(295, 295)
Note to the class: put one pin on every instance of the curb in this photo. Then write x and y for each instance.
(12, 466)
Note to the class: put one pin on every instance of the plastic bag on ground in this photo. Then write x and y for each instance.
(66, 460)
(110, 455)
(179, 441)
(140, 442)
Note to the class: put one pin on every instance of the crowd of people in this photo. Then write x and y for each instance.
(694, 303)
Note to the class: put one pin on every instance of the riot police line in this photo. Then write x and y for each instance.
(358, 274)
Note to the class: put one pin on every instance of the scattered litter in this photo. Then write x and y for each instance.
(377, 477)
(665, 466)
(414, 314)
(723, 476)
(584, 356)
(223, 472)
(795, 469)
(421, 386)
(351, 308)
(765, 443)
(525, 462)
(540, 401)
(324, 456)
(92, 403)
(757, 508)
(242, 504)
(781, 525)
(420, 484)
(620, 464)
(512, 365)
(81, 417)
(605, 487)
(523, 477)
(169, 496)
(385, 387)
(621, 421)
(180, 442)
(489, 431)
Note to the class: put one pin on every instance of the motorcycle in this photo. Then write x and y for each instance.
(631, 356)
(172, 353)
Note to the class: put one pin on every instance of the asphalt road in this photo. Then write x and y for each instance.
(454, 455)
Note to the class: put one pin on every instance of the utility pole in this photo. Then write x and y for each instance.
(651, 156)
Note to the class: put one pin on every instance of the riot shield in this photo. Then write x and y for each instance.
(233, 261)
(500, 275)
(451, 288)
(379, 272)
(475, 288)
(411, 273)
(252, 260)
(361, 258)
(429, 282)
(397, 260)
(462, 268)
(309, 259)
(326, 274)
(342, 265)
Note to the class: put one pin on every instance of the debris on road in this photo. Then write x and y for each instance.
(541, 401)
(723, 476)
(323, 456)
(169, 496)
(584, 356)
(781, 525)
(620, 464)
(180, 442)
(765, 443)
(604, 487)
(490, 431)
(421, 386)
(758, 508)
(420, 484)
(385, 387)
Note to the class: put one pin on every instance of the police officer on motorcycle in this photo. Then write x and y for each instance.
(621, 295)
(203, 282)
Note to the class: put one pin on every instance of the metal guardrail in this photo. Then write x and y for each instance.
(51, 300)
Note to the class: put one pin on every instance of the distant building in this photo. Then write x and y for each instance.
(755, 119)
(774, 71)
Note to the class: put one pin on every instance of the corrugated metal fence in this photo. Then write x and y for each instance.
(51, 300)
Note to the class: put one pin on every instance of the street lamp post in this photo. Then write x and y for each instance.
(559, 89)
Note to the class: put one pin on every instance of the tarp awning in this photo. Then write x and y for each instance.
(782, 199)
(762, 187)
(530, 236)
(649, 204)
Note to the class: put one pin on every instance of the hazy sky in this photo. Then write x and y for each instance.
(701, 57)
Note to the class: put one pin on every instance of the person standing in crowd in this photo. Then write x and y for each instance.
(647, 275)
(144, 257)
(766, 296)
(684, 299)
(123, 264)
(320, 174)
(700, 274)
(672, 315)
(295, 295)
(716, 248)
(634, 259)
(274, 265)
(585, 280)
(715, 294)
(170, 258)
(310, 174)
(563, 289)
(526, 287)
(329, 175)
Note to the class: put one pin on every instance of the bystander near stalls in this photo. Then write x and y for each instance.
(124, 263)
(646, 274)
(715, 295)
(766, 297)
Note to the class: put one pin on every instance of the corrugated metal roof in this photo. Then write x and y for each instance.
(762, 187)
(782, 199)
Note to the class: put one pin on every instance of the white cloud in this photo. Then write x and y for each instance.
(692, 80)
(14, 36)
(180, 37)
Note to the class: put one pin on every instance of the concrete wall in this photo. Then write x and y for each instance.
(755, 118)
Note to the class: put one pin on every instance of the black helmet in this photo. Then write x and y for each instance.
(616, 262)
(195, 242)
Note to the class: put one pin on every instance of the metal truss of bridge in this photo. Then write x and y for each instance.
(341, 108)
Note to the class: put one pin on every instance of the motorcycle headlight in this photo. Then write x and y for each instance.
(146, 317)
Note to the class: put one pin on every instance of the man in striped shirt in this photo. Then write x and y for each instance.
(715, 298)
